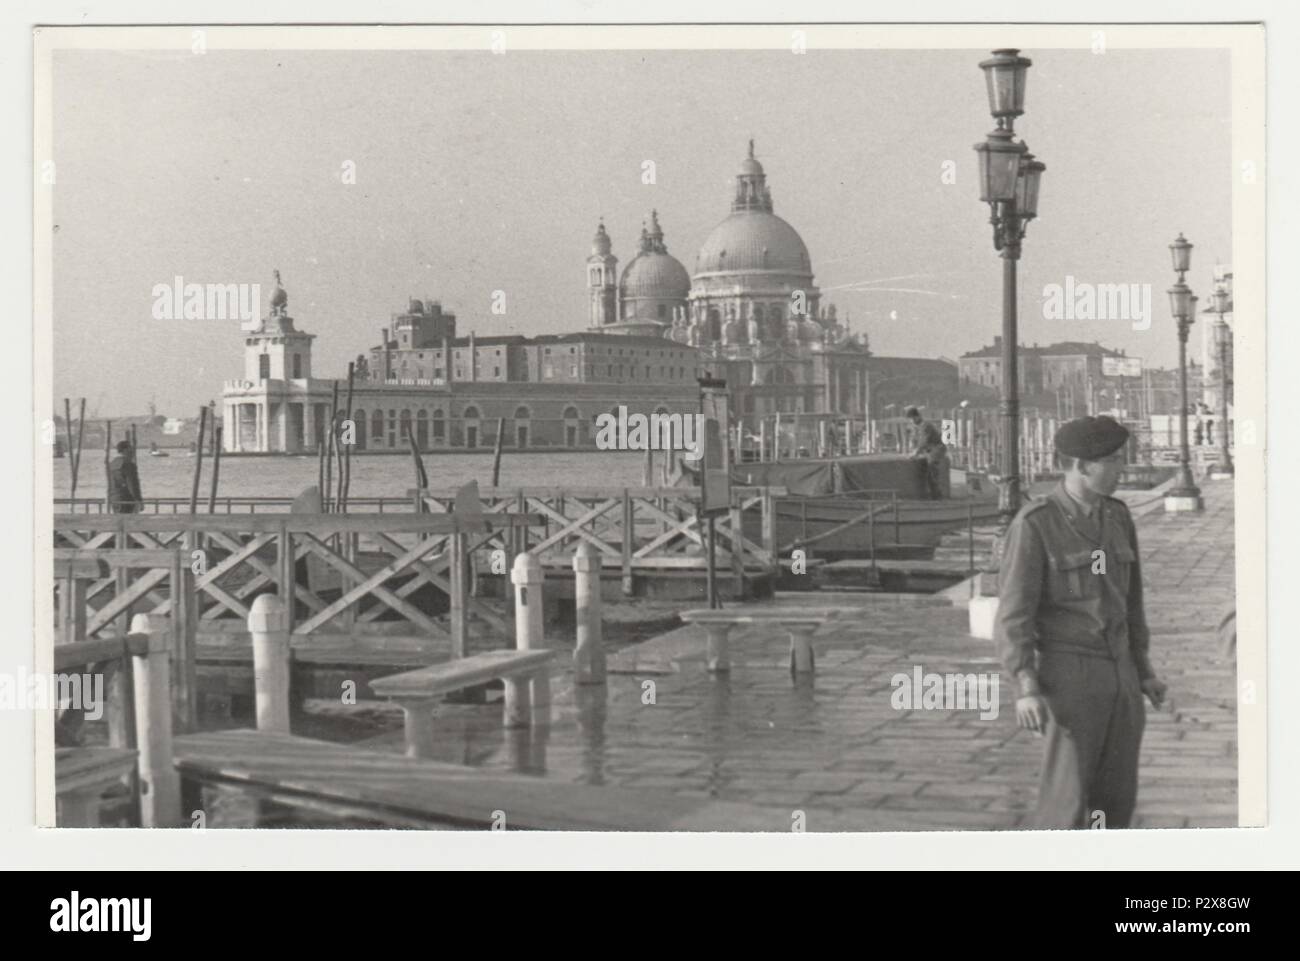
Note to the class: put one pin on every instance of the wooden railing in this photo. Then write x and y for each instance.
(227, 505)
(358, 568)
(633, 529)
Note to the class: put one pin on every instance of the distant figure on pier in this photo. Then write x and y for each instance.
(124, 481)
(931, 449)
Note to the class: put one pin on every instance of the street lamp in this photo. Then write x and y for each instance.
(1009, 179)
(1222, 304)
(1182, 304)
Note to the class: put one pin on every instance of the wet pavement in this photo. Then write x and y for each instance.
(835, 747)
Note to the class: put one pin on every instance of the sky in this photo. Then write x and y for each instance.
(477, 172)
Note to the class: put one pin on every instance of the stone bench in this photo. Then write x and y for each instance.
(801, 623)
(524, 673)
(81, 776)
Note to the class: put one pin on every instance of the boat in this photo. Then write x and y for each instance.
(837, 507)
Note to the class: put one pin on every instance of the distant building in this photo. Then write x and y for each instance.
(750, 313)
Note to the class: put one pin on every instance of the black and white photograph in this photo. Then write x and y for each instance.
(750, 428)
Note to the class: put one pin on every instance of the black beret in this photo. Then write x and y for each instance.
(1091, 438)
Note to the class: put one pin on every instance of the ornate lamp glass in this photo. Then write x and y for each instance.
(1004, 73)
(1180, 300)
(1222, 301)
(1031, 174)
(1182, 254)
(999, 159)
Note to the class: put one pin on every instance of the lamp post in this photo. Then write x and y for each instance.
(1009, 182)
(1222, 304)
(1182, 304)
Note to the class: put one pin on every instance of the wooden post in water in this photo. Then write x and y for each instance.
(269, 627)
(588, 651)
(347, 454)
(160, 794)
(762, 440)
(629, 530)
(769, 530)
(67, 430)
(216, 467)
(327, 495)
(198, 459)
(421, 478)
(457, 595)
(496, 453)
(776, 438)
(76, 462)
(185, 632)
(737, 550)
(108, 457)
(528, 700)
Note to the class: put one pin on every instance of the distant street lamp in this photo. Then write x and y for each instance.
(1186, 496)
(1009, 181)
(1222, 304)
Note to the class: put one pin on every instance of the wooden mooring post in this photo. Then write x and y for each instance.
(588, 651)
(528, 700)
(269, 628)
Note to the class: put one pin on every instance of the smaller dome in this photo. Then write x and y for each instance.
(654, 274)
(600, 244)
(415, 307)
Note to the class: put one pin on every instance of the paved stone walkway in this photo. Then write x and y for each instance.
(833, 746)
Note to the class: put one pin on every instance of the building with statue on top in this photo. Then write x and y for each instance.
(750, 313)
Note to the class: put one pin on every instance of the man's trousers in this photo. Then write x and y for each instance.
(1093, 740)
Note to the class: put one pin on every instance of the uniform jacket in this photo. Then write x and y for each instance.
(124, 481)
(930, 442)
(1071, 582)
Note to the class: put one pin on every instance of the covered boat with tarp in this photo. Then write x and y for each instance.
(840, 506)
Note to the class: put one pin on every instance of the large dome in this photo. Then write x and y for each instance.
(753, 240)
(655, 274)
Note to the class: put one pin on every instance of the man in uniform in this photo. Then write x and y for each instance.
(931, 449)
(1072, 631)
(124, 481)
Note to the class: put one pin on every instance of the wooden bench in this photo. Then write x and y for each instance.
(343, 780)
(81, 776)
(801, 623)
(524, 673)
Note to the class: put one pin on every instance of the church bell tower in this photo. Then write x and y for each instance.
(602, 280)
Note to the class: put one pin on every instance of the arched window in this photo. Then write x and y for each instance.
(406, 426)
(521, 426)
(471, 413)
(571, 413)
(521, 413)
(377, 427)
(470, 418)
(359, 419)
(775, 324)
(422, 429)
(439, 427)
(713, 325)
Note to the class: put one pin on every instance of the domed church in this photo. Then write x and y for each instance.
(752, 285)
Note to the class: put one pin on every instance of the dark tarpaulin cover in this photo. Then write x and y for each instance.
(890, 472)
(813, 478)
(807, 478)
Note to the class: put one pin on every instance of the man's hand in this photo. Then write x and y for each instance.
(1155, 690)
(1032, 713)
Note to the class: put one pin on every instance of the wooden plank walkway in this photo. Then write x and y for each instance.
(421, 793)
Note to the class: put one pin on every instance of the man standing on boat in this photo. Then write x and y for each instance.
(1072, 631)
(124, 481)
(931, 449)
